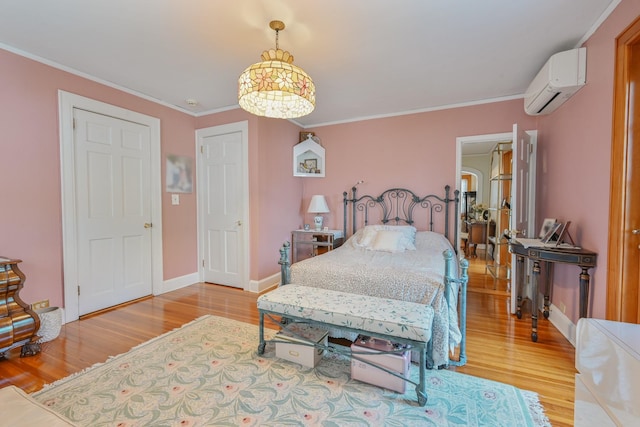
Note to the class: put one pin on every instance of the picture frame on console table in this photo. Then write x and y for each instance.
(563, 234)
(552, 233)
(546, 226)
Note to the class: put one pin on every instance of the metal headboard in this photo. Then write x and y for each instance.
(397, 207)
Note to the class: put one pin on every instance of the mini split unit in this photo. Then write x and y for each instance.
(562, 76)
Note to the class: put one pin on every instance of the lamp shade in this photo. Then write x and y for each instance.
(318, 204)
(276, 88)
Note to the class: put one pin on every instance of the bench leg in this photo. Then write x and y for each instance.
(261, 344)
(421, 389)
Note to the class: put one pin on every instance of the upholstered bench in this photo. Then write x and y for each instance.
(399, 321)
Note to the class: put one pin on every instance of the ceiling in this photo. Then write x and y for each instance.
(368, 58)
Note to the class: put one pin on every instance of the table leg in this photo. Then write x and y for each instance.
(584, 291)
(547, 287)
(534, 300)
(519, 282)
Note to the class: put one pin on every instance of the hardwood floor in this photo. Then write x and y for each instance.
(499, 345)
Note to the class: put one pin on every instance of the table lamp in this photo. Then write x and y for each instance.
(318, 206)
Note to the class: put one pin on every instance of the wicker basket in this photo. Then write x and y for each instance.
(50, 323)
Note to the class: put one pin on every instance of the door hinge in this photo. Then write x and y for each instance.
(74, 123)
(203, 262)
(78, 290)
(202, 149)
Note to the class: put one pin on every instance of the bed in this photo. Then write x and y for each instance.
(393, 259)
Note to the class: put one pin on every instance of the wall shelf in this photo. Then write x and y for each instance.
(309, 159)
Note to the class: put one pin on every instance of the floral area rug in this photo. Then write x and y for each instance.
(207, 373)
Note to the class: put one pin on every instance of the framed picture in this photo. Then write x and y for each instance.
(546, 226)
(552, 233)
(311, 165)
(179, 174)
(564, 234)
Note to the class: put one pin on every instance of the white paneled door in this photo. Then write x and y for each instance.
(523, 196)
(223, 204)
(113, 210)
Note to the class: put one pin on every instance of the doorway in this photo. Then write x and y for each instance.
(96, 263)
(474, 158)
(520, 198)
(223, 204)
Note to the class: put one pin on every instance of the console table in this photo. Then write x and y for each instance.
(549, 255)
(18, 323)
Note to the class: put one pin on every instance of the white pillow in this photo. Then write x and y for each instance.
(408, 234)
(388, 241)
(364, 237)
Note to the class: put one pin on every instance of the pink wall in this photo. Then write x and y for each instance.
(415, 151)
(30, 147)
(574, 163)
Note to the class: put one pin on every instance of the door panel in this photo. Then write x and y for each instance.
(112, 206)
(522, 198)
(223, 209)
(623, 272)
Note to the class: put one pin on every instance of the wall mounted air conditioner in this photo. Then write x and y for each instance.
(562, 76)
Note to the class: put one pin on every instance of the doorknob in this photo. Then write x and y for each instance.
(238, 223)
(148, 225)
(636, 231)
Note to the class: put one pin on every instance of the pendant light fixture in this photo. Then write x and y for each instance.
(275, 87)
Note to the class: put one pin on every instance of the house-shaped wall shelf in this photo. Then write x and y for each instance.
(308, 159)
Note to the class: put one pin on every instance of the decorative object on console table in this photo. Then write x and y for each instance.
(546, 226)
(319, 242)
(18, 323)
(318, 206)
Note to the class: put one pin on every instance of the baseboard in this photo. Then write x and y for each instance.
(562, 324)
(258, 286)
(179, 282)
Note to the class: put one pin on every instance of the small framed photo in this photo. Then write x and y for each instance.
(546, 226)
(552, 234)
(311, 165)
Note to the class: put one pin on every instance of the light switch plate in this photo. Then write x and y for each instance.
(175, 199)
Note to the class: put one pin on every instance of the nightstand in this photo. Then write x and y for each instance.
(305, 244)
